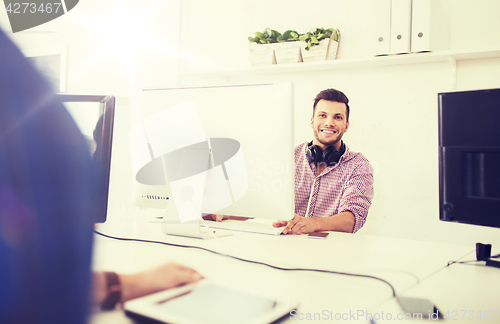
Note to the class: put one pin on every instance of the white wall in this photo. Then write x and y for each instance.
(114, 48)
(214, 33)
(394, 109)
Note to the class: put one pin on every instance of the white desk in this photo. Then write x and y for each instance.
(462, 292)
(403, 263)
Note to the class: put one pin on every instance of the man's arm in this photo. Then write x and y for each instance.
(354, 206)
(358, 195)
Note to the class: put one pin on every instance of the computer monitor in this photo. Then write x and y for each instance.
(469, 157)
(94, 116)
(246, 127)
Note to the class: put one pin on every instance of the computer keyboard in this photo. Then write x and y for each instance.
(251, 225)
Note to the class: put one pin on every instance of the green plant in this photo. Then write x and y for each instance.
(288, 36)
(313, 38)
(268, 36)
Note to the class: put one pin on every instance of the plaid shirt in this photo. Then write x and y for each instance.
(346, 186)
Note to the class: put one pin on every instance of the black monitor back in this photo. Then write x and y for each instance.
(95, 117)
(469, 157)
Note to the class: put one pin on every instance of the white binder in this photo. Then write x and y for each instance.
(381, 37)
(430, 27)
(400, 26)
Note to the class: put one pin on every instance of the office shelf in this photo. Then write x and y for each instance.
(404, 59)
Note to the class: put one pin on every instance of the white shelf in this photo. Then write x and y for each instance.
(404, 59)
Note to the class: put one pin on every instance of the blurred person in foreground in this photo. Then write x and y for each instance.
(46, 200)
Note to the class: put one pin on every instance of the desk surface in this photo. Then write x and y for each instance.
(405, 264)
(464, 293)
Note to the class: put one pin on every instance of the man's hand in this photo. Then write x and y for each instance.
(280, 223)
(298, 225)
(217, 217)
(166, 276)
(170, 275)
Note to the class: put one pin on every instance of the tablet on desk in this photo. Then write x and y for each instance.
(207, 302)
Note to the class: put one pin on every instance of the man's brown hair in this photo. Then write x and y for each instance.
(332, 95)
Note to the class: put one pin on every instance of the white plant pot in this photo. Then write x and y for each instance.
(334, 46)
(316, 52)
(326, 50)
(262, 54)
(293, 52)
(332, 50)
(287, 52)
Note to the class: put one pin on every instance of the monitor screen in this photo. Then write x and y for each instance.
(469, 157)
(94, 116)
(236, 142)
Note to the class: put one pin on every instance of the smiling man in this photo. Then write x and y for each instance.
(333, 185)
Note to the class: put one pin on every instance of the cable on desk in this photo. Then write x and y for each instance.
(496, 256)
(249, 261)
(488, 262)
(462, 262)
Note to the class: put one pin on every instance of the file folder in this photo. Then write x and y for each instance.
(400, 26)
(430, 27)
(381, 37)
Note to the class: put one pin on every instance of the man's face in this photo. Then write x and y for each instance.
(329, 123)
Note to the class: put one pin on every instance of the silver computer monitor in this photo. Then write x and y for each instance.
(248, 131)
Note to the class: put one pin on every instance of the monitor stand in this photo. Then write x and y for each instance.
(171, 225)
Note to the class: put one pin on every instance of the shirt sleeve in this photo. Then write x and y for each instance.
(358, 194)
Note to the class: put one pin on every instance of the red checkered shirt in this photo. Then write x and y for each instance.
(346, 186)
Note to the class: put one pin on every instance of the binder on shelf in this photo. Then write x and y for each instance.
(381, 37)
(400, 26)
(430, 30)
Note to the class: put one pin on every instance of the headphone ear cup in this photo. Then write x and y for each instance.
(314, 154)
(331, 156)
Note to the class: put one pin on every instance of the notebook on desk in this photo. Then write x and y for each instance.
(244, 224)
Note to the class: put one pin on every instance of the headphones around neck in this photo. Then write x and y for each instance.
(330, 156)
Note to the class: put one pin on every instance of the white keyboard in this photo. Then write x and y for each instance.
(253, 225)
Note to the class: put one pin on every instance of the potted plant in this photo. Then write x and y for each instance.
(272, 47)
(288, 48)
(320, 44)
(268, 36)
(261, 51)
